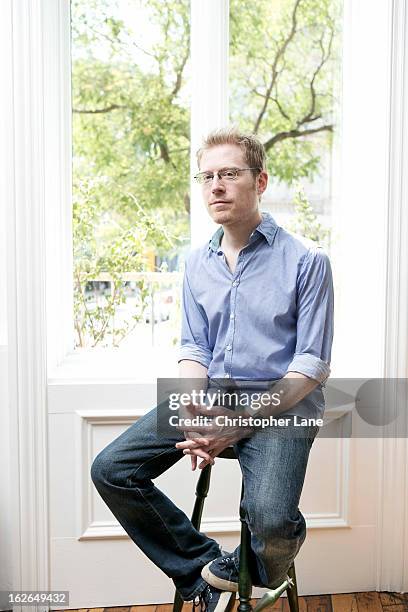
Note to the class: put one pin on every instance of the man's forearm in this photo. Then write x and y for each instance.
(194, 377)
(287, 392)
(192, 369)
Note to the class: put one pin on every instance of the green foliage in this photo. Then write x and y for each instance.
(306, 222)
(103, 250)
(131, 154)
(131, 125)
(285, 79)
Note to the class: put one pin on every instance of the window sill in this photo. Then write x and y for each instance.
(115, 366)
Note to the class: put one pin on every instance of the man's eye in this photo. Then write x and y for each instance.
(229, 174)
(208, 177)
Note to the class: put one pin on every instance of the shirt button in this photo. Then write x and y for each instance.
(228, 347)
(235, 283)
(232, 316)
(219, 252)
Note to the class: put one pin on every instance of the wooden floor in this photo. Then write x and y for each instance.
(350, 602)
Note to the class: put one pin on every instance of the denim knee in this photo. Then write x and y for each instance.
(111, 469)
(97, 470)
(269, 525)
(103, 469)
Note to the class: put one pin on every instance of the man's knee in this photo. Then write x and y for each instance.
(108, 468)
(114, 466)
(271, 525)
(102, 468)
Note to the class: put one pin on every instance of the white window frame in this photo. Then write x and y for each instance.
(209, 109)
(36, 94)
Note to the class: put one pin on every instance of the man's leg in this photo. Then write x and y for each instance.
(273, 462)
(123, 473)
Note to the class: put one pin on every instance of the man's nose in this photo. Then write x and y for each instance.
(217, 184)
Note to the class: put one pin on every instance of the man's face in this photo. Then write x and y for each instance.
(229, 202)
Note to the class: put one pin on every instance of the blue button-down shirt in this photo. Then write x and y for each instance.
(272, 315)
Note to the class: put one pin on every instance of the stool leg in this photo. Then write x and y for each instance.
(244, 582)
(292, 592)
(202, 488)
(178, 602)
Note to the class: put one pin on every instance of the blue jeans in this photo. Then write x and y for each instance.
(273, 463)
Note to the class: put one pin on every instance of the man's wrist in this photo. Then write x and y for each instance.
(270, 402)
(245, 422)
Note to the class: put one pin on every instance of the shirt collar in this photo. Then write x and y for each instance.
(267, 228)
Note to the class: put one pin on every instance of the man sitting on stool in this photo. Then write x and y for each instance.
(258, 311)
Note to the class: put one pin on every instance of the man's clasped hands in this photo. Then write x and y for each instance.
(208, 441)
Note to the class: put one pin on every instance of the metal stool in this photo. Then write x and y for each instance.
(244, 581)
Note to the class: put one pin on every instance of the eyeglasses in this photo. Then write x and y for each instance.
(226, 174)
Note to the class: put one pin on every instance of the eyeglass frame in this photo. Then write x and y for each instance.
(220, 178)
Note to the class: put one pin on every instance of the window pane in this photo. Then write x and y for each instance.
(285, 78)
(131, 139)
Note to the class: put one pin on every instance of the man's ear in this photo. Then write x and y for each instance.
(262, 182)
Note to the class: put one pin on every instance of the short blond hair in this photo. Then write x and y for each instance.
(252, 147)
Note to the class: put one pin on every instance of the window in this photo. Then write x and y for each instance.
(133, 88)
(285, 85)
(131, 146)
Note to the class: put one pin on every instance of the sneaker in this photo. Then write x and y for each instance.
(221, 573)
(214, 600)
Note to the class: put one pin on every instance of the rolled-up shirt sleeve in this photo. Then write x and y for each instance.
(194, 328)
(314, 317)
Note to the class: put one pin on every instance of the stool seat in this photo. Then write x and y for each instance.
(244, 582)
(228, 453)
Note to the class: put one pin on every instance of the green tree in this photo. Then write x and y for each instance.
(130, 122)
(285, 79)
(131, 117)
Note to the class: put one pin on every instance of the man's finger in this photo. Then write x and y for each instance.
(193, 462)
(203, 429)
(198, 452)
(204, 463)
(192, 443)
(214, 453)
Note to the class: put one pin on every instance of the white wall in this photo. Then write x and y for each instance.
(5, 509)
(5, 513)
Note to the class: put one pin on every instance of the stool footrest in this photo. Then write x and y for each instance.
(270, 597)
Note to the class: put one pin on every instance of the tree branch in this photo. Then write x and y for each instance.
(164, 151)
(275, 72)
(122, 43)
(96, 111)
(179, 73)
(282, 112)
(148, 53)
(325, 56)
(295, 134)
